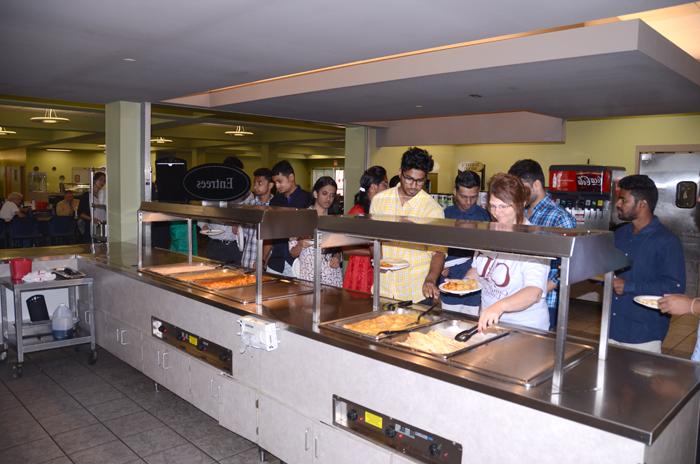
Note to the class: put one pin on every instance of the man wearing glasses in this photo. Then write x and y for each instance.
(418, 281)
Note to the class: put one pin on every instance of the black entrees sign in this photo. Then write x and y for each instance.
(216, 182)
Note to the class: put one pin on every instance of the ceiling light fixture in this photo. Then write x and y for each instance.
(239, 131)
(50, 117)
(128, 59)
(58, 149)
(4, 131)
(160, 140)
(102, 145)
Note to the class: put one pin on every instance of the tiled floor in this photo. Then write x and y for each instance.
(584, 321)
(65, 411)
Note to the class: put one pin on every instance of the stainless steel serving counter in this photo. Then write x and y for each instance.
(631, 394)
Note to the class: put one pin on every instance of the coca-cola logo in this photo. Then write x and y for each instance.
(589, 182)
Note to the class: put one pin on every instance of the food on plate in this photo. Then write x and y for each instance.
(180, 268)
(382, 323)
(432, 342)
(385, 264)
(460, 285)
(229, 282)
(215, 274)
(649, 301)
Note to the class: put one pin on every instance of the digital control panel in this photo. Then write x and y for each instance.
(400, 436)
(193, 344)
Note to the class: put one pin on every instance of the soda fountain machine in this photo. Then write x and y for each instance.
(587, 192)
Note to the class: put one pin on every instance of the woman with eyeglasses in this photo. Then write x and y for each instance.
(301, 248)
(359, 273)
(513, 287)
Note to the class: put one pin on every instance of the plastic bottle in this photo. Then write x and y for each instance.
(62, 322)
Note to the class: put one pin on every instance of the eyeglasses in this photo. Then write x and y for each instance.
(500, 207)
(411, 180)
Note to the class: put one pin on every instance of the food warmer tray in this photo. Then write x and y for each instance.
(194, 267)
(448, 328)
(533, 365)
(337, 325)
(273, 290)
(202, 283)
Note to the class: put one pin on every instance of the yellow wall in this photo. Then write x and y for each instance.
(609, 142)
(63, 162)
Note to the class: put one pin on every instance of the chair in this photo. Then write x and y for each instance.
(62, 230)
(24, 232)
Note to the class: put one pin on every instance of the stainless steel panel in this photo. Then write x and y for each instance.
(593, 252)
(449, 329)
(667, 170)
(533, 363)
(338, 325)
(276, 222)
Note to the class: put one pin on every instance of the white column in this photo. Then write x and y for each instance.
(360, 144)
(128, 133)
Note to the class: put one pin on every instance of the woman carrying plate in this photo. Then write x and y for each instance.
(301, 248)
(359, 274)
(513, 288)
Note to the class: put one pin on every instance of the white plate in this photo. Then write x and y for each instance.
(212, 232)
(394, 264)
(456, 292)
(650, 301)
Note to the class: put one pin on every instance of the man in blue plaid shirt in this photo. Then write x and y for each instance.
(260, 196)
(542, 211)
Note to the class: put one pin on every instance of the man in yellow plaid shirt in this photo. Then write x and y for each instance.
(419, 280)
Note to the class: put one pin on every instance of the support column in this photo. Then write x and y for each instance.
(128, 133)
(360, 145)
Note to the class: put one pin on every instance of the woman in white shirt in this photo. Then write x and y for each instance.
(514, 287)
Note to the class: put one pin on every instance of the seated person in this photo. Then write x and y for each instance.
(12, 207)
(68, 206)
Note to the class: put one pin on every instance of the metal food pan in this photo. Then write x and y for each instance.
(338, 324)
(449, 329)
(203, 282)
(162, 269)
(276, 289)
(217, 273)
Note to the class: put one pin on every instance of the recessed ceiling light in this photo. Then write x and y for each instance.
(161, 140)
(129, 59)
(419, 106)
(50, 117)
(58, 149)
(239, 131)
(5, 131)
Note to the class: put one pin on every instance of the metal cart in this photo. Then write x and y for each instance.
(18, 335)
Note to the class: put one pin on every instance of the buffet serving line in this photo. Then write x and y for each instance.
(309, 373)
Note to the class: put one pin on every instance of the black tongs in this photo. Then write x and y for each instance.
(410, 326)
(465, 335)
(398, 304)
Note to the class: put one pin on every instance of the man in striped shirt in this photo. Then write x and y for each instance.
(260, 196)
(542, 211)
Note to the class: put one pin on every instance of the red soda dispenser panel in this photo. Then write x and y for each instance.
(584, 178)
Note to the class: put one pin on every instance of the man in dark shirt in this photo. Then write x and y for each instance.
(289, 195)
(657, 267)
(458, 262)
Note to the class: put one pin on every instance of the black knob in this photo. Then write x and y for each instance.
(434, 449)
(224, 356)
(390, 431)
(352, 415)
(202, 345)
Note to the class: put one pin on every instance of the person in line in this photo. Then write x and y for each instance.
(513, 288)
(290, 195)
(359, 275)
(417, 282)
(85, 219)
(225, 240)
(68, 206)
(301, 248)
(458, 262)
(543, 211)
(12, 207)
(261, 194)
(657, 267)
(677, 305)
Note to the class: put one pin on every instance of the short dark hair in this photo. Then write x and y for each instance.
(417, 158)
(394, 181)
(263, 172)
(233, 162)
(467, 179)
(527, 170)
(642, 188)
(282, 168)
(98, 175)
